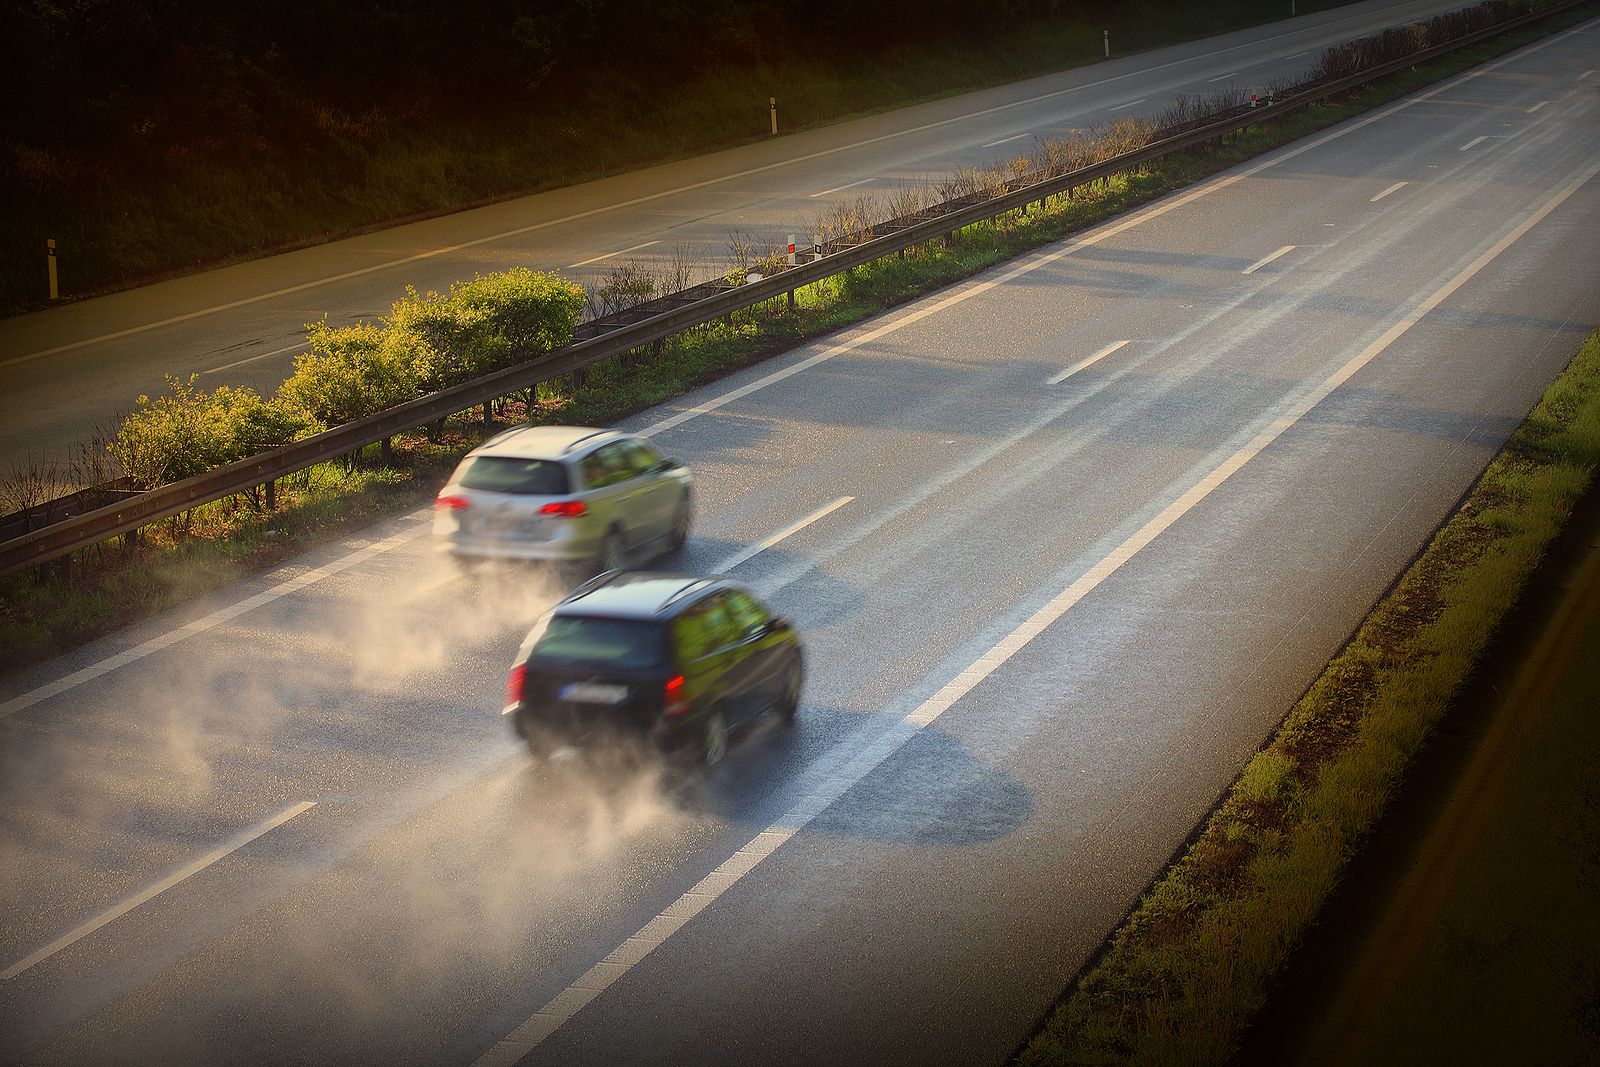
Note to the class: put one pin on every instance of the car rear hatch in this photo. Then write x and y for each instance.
(510, 499)
(591, 674)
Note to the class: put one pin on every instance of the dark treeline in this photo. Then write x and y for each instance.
(174, 76)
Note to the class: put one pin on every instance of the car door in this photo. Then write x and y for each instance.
(710, 645)
(658, 493)
(615, 488)
(763, 650)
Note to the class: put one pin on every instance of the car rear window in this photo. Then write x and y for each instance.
(507, 474)
(602, 642)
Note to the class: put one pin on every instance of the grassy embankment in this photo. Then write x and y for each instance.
(114, 218)
(222, 542)
(1182, 977)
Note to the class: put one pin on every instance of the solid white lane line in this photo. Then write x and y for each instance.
(608, 255)
(216, 618)
(840, 188)
(1472, 143)
(1223, 77)
(1302, 55)
(761, 546)
(1396, 187)
(1047, 258)
(1258, 264)
(852, 761)
(1089, 362)
(1004, 140)
(1131, 103)
(1537, 106)
(118, 911)
(1584, 75)
(647, 198)
(252, 359)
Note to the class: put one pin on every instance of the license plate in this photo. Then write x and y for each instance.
(594, 693)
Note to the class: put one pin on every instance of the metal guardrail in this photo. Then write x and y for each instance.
(659, 319)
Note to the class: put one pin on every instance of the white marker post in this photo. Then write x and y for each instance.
(772, 102)
(791, 263)
(50, 260)
(1108, 44)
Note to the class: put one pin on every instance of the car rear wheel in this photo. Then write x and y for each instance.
(681, 518)
(613, 554)
(789, 699)
(714, 742)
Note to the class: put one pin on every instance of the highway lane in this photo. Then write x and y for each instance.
(68, 371)
(441, 891)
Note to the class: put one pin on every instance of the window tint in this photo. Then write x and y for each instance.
(507, 474)
(704, 628)
(747, 614)
(606, 642)
(607, 465)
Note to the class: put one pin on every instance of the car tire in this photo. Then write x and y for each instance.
(613, 553)
(789, 698)
(678, 536)
(714, 739)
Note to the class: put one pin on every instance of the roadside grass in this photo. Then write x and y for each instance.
(1510, 971)
(44, 615)
(113, 218)
(1184, 974)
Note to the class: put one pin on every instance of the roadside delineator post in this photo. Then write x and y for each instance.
(1108, 43)
(772, 102)
(50, 260)
(791, 263)
(1252, 99)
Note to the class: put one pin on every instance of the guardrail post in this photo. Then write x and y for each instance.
(271, 490)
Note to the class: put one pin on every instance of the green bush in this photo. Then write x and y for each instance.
(492, 321)
(189, 431)
(351, 372)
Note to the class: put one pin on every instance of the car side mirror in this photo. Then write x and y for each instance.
(667, 464)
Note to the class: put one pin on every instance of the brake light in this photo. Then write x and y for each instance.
(447, 502)
(676, 701)
(566, 509)
(519, 674)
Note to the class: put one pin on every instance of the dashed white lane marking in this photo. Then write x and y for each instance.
(1300, 55)
(1004, 140)
(1584, 75)
(840, 188)
(1130, 103)
(216, 618)
(635, 201)
(1047, 258)
(1258, 264)
(1088, 362)
(118, 911)
(1223, 77)
(1472, 143)
(788, 531)
(854, 761)
(1396, 187)
(252, 359)
(1537, 106)
(609, 255)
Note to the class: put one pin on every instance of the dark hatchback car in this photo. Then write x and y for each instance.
(675, 659)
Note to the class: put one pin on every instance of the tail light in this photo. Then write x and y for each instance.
(566, 509)
(519, 675)
(448, 502)
(677, 702)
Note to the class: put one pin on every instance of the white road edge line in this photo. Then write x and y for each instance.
(1584, 75)
(862, 761)
(1131, 103)
(1258, 264)
(1089, 362)
(746, 554)
(608, 255)
(603, 209)
(1472, 143)
(252, 359)
(840, 188)
(216, 618)
(1396, 187)
(1536, 107)
(118, 911)
(1222, 77)
(1301, 55)
(1004, 140)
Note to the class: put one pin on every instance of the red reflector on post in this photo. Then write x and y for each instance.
(566, 509)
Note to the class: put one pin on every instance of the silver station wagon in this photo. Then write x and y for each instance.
(564, 494)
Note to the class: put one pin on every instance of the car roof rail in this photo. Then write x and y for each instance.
(692, 587)
(589, 585)
(585, 437)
